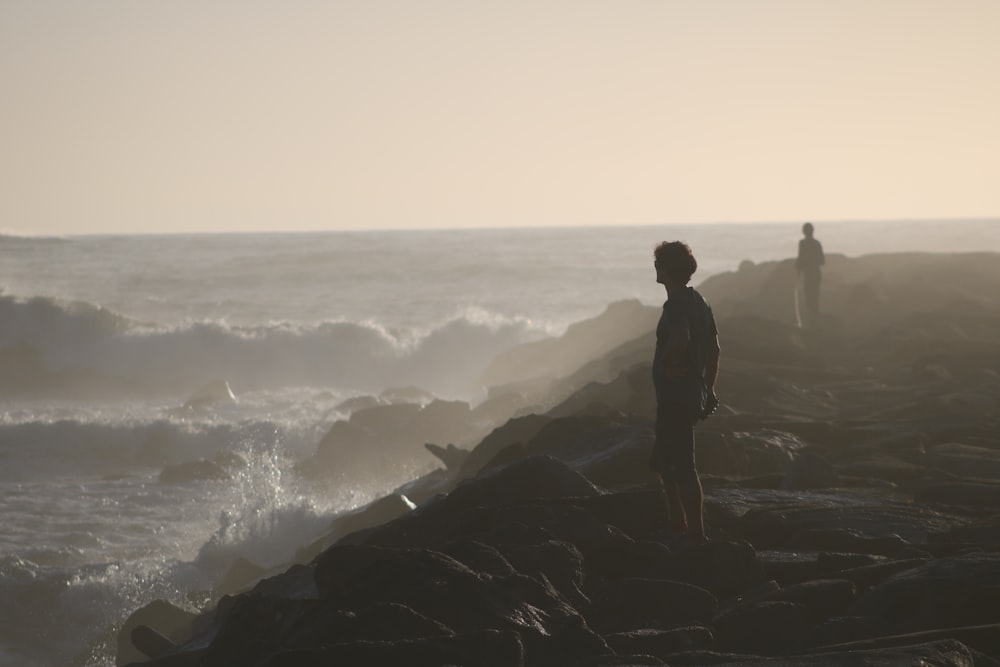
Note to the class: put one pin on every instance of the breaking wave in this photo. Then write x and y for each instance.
(52, 343)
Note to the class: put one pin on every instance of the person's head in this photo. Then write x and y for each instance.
(674, 261)
(807, 229)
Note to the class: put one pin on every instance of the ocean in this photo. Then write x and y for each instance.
(104, 339)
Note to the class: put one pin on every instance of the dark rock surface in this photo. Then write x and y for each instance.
(852, 501)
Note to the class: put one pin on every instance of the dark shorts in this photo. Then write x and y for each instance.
(673, 449)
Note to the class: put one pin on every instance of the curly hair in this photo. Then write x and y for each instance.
(677, 260)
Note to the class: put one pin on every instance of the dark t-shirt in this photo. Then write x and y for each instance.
(687, 306)
(810, 257)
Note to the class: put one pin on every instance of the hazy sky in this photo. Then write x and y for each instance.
(205, 115)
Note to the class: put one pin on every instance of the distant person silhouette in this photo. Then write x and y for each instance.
(685, 367)
(807, 264)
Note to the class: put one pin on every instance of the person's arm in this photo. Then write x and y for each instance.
(712, 365)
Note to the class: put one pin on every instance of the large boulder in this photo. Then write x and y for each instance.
(165, 618)
(443, 589)
(626, 604)
(946, 592)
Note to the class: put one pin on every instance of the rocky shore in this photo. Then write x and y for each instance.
(852, 484)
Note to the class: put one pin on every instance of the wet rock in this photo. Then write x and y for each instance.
(984, 639)
(944, 653)
(451, 456)
(944, 592)
(661, 643)
(519, 430)
(809, 470)
(884, 467)
(624, 604)
(375, 513)
(858, 513)
(724, 568)
(866, 576)
(534, 478)
(489, 648)
(966, 461)
(447, 591)
(820, 598)
(981, 531)
(560, 562)
(764, 628)
(967, 494)
(394, 431)
(165, 618)
(241, 574)
(480, 557)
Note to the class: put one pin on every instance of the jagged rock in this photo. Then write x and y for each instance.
(447, 591)
(356, 403)
(969, 494)
(966, 461)
(409, 394)
(838, 629)
(560, 562)
(850, 512)
(793, 567)
(394, 431)
(945, 653)
(866, 576)
(582, 342)
(609, 453)
(944, 592)
(820, 599)
(982, 531)
(534, 478)
(297, 582)
(518, 430)
(489, 648)
(482, 558)
(382, 622)
(625, 604)
(612, 555)
(241, 574)
(765, 627)
(809, 470)
(498, 407)
(451, 456)
(765, 451)
(982, 638)
(838, 540)
(167, 619)
(884, 467)
(638, 512)
(724, 568)
(375, 513)
(149, 642)
(661, 643)
(257, 626)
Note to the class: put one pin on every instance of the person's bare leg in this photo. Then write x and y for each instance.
(675, 506)
(692, 498)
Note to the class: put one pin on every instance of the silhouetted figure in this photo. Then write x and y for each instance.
(685, 366)
(807, 264)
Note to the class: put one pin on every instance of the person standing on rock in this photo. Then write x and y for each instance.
(685, 367)
(807, 264)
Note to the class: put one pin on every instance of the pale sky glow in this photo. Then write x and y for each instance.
(239, 115)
